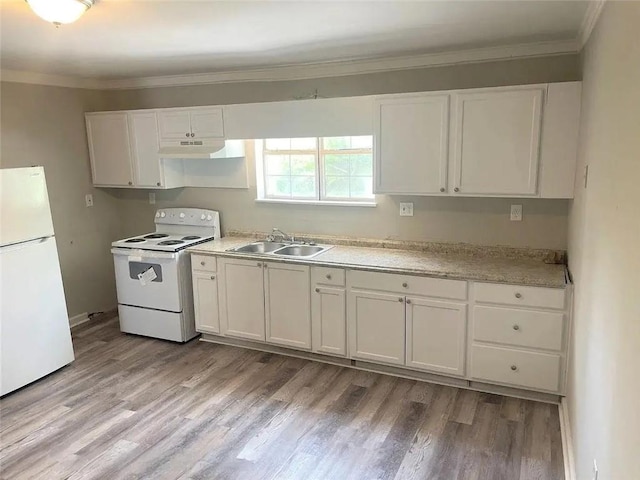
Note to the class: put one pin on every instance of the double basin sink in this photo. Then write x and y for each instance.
(282, 249)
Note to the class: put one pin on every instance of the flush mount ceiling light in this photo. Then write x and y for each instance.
(60, 11)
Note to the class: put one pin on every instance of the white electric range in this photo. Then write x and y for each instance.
(153, 274)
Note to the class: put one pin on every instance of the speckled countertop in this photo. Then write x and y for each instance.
(464, 264)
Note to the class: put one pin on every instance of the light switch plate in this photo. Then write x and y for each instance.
(152, 198)
(88, 199)
(516, 213)
(406, 209)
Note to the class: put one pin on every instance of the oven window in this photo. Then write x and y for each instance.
(136, 268)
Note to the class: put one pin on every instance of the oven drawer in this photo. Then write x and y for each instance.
(161, 293)
(205, 263)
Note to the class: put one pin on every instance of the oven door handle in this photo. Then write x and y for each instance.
(136, 254)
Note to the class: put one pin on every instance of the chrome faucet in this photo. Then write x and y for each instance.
(277, 232)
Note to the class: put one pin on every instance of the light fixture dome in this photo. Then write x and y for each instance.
(60, 11)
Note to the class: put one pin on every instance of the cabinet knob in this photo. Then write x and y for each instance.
(193, 135)
(317, 290)
(213, 277)
(259, 264)
(130, 183)
(401, 299)
(264, 265)
(516, 327)
(408, 301)
(442, 189)
(203, 263)
(158, 184)
(456, 189)
(405, 284)
(328, 276)
(518, 295)
(187, 135)
(514, 367)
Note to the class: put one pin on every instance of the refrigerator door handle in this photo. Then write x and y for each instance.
(17, 246)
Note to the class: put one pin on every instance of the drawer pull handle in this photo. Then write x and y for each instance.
(213, 277)
(401, 299)
(405, 284)
(516, 327)
(514, 367)
(317, 290)
(328, 276)
(202, 263)
(518, 295)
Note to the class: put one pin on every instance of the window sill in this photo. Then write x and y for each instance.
(322, 203)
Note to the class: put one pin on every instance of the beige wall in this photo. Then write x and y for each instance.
(45, 126)
(604, 253)
(478, 221)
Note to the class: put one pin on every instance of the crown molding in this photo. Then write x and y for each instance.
(308, 70)
(34, 78)
(589, 22)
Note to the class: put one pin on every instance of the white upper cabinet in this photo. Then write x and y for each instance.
(411, 144)
(190, 124)
(496, 141)
(109, 149)
(123, 147)
(559, 148)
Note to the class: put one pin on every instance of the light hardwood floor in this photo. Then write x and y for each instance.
(132, 407)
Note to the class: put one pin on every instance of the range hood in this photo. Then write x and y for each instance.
(195, 149)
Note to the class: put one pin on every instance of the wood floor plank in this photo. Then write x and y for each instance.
(135, 407)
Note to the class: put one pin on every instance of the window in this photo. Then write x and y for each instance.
(328, 169)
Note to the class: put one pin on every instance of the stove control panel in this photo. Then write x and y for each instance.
(188, 216)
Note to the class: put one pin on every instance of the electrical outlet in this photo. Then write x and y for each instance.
(152, 198)
(88, 199)
(406, 209)
(595, 470)
(516, 213)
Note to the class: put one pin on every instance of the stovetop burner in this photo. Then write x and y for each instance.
(156, 235)
(191, 237)
(170, 242)
(135, 240)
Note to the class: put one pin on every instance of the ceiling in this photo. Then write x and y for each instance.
(120, 39)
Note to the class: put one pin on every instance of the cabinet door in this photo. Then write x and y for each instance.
(241, 296)
(376, 327)
(109, 149)
(174, 124)
(144, 146)
(496, 142)
(207, 123)
(328, 320)
(411, 147)
(436, 336)
(205, 302)
(287, 302)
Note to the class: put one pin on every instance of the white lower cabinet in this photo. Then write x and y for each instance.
(288, 305)
(328, 320)
(205, 302)
(241, 296)
(436, 335)
(376, 327)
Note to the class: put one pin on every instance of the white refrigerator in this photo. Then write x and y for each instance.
(35, 338)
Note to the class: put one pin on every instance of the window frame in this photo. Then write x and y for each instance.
(320, 182)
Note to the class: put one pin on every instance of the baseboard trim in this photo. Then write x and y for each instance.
(567, 440)
(79, 319)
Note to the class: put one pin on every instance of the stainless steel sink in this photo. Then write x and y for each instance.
(300, 250)
(282, 249)
(260, 247)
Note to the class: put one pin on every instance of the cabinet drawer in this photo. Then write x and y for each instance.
(512, 326)
(408, 284)
(520, 295)
(205, 263)
(537, 371)
(328, 276)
